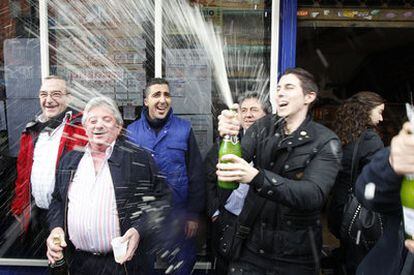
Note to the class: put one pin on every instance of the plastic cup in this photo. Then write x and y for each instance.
(119, 248)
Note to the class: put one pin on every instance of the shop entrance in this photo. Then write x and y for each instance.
(357, 48)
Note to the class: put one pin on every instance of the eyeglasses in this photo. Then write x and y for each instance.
(53, 94)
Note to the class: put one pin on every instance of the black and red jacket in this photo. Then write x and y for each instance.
(73, 137)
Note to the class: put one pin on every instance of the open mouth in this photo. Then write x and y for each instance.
(161, 109)
(51, 107)
(283, 104)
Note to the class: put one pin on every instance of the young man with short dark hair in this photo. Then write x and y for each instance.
(295, 161)
(172, 143)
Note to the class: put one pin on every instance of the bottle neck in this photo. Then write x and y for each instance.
(232, 139)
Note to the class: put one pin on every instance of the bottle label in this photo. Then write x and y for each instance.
(234, 140)
(408, 220)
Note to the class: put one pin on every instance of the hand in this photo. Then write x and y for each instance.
(132, 237)
(236, 169)
(191, 228)
(402, 151)
(228, 123)
(54, 251)
(409, 244)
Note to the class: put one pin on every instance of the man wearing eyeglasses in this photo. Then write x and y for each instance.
(54, 132)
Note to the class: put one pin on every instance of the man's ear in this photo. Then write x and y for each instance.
(145, 102)
(68, 100)
(310, 97)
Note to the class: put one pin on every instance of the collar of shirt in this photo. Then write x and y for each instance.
(68, 115)
(108, 152)
(52, 127)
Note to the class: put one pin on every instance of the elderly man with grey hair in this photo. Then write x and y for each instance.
(103, 192)
(224, 204)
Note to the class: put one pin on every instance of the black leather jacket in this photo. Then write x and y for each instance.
(296, 174)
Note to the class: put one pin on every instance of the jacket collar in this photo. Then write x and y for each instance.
(68, 116)
(303, 134)
(74, 161)
(118, 152)
(114, 159)
(156, 124)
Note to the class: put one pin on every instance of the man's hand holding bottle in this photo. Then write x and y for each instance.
(232, 168)
(228, 123)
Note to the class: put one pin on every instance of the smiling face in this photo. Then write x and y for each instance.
(250, 111)
(101, 128)
(376, 114)
(291, 102)
(53, 98)
(158, 101)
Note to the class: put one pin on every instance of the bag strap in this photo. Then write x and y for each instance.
(244, 227)
(355, 160)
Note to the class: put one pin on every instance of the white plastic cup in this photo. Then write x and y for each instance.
(119, 248)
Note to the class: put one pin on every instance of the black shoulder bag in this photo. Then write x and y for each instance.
(234, 234)
(359, 225)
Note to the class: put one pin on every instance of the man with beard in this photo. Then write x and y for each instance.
(54, 132)
(172, 143)
(295, 164)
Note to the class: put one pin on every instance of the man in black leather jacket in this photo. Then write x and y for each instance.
(295, 164)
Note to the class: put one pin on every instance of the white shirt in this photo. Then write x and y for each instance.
(92, 213)
(43, 173)
(235, 201)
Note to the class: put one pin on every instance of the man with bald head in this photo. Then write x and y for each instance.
(44, 140)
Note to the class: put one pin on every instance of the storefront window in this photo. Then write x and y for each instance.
(19, 84)
(107, 48)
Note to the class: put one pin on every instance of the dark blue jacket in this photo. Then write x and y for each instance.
(178, 157)
(388, 255)
(134, 175)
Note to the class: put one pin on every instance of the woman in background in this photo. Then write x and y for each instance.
(356, 121)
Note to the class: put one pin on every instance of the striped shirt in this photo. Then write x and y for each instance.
(92, 213)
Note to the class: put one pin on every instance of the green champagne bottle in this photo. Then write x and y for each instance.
(407, 202)
(229, 145)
